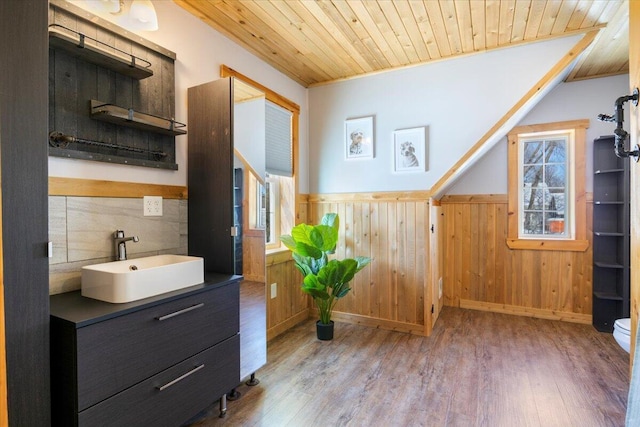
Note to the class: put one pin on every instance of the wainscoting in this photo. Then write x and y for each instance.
(289, 306)
(481, 272)
(393, 229)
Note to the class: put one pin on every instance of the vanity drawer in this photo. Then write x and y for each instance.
(117, 353)
(187, 389)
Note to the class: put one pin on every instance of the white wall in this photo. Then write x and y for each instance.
(568, 101)
(200, 51)
(458, 100)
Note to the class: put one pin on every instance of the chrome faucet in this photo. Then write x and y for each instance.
(120, 244)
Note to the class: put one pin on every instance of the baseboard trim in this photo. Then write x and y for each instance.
(287, 324)
(372, 322)
(527, 311)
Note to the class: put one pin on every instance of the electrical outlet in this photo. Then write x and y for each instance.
(152, 205)
(440, 288)
(274, 290)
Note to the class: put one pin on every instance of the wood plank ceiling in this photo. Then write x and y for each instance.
(320, 41)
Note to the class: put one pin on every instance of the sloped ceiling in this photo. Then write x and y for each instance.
(315, 42)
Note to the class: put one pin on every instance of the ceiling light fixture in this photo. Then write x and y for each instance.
(142, 16)
(133, 14)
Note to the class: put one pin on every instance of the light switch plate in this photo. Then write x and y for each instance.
(274, 290)
(152, 205)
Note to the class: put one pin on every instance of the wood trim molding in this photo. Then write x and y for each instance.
(579, 242)
(390, 325)
(278, 256)
(474, 198)
(549, 245)
(96, 188)
(272, 96)
(373, 197)
(469, 158)
(526, 311)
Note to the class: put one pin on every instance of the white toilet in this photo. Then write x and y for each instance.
(622, 333)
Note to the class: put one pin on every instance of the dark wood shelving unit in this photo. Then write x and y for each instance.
(611, 238)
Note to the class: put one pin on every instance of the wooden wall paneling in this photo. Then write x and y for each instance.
(480, 270)
(376, 278)
(392, 291)
(420, 264)
(503, 254)
(291, 306)
(253, 258)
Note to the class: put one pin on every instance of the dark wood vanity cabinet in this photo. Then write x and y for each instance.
(158, 361)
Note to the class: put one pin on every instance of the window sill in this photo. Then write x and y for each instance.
(549, 245)
(278, 256)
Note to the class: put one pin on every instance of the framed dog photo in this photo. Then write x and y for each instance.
(358, 138)
(409, 150)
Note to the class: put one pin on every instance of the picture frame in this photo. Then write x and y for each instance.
(409, 150)
(359, 138)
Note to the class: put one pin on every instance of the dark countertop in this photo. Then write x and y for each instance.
(73, 307)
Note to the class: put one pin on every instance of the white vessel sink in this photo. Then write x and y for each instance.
(131, 280)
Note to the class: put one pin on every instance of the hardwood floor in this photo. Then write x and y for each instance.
(477, 369)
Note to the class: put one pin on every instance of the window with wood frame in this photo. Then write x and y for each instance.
(547, 203)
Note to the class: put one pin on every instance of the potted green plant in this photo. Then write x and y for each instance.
(326, 280)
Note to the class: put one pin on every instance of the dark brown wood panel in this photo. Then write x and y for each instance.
(23, 135)
(210, 174)
(75, 81)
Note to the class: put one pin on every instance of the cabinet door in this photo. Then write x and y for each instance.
(210, 174)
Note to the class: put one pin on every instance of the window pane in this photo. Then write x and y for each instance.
(532, 175)
(532, 198)
(532, 223)
(555, 151)
(532, 152)
(555, 176)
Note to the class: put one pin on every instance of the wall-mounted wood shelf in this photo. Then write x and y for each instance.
(128, 117)
(96, 52)
(108, 158)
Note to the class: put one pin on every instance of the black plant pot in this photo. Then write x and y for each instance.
(324, 331)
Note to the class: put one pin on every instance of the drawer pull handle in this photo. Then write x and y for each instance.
(179, 312)
(180, 378)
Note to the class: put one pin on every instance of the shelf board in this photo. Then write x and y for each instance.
(607, 296)
(598, 202)
(603, 171)
(607, 265)
(609, 234)
(74, 44)
(85, 155)
(127, 117)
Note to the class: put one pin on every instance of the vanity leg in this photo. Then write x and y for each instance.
(253, 380)
(233, 394)
(223, 406)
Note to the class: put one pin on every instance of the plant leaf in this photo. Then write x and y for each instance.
(313, 287)
(288, 241)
